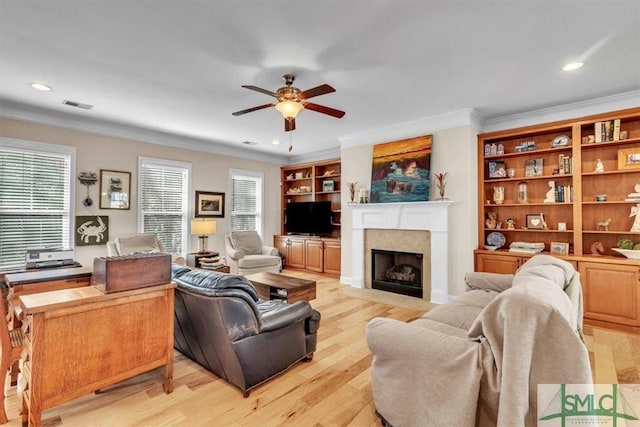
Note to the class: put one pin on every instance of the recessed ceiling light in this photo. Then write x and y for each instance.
(572, 66)
(40, 86)
(275, 142)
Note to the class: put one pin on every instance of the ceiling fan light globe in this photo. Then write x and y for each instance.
(289, 109)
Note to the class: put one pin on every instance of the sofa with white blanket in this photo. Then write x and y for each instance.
(477, 361)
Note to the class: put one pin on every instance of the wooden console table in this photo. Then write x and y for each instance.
(80, 340)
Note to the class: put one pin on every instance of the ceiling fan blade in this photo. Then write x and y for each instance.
(289, 125)
(259, 89)
(319, 90)
(324, 110)
(248, 110)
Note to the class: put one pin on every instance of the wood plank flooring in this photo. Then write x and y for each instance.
(332, 390)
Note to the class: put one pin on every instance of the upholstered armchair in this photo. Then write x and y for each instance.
(222, 324)
(247, 254)
(138, 243)
(134, 243)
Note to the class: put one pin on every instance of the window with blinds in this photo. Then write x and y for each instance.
(163, 189)
(35, 199)
(246, 200)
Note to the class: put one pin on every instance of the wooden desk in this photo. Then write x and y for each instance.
(80, 340)
(278, 286)
(32, 282)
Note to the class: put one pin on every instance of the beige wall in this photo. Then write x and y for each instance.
(454, 151)
(210, 172)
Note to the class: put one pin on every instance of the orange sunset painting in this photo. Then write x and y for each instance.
(400, 171)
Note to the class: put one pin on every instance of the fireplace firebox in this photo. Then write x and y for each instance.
(398, 272)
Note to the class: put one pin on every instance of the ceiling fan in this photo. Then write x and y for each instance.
(292, 100)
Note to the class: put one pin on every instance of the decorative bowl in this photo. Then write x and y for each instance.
(491, 247)
(629, 253)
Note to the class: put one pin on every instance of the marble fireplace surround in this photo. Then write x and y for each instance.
(423, 216)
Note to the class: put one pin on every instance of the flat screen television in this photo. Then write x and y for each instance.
(313, 218)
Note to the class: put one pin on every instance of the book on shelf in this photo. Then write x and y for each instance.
(564, 193)
(616, 129)
(209, 259)
(526, 250)
(608, 130)
(565, 164)
(526, 247)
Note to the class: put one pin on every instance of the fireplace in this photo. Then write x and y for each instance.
(398, 272)
(414, 227)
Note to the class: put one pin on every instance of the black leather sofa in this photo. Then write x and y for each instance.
(222, 324)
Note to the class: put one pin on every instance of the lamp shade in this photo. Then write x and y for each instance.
(203, 226)
(289, 109)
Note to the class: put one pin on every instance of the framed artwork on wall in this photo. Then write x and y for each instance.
(115, 189)
(209, 204)
(401, 171)
(92, 230)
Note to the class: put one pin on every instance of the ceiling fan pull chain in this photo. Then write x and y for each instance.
(290, 143)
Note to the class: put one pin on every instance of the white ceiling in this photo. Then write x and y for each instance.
(177, 67)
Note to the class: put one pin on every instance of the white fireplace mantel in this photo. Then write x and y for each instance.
(430, 216)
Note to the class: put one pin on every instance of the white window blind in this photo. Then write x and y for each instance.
(35, 199)
(246, 200)
(163, 188)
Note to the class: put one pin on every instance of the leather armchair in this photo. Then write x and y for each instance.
(247, 254)
(221, 324)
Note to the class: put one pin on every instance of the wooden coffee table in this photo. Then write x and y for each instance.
(277, 286)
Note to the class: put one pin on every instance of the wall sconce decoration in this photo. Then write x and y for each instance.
(88, 179)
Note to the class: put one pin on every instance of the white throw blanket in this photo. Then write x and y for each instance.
(528, 335)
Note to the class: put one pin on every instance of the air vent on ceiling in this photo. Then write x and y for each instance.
(249, 143)
(77, 104)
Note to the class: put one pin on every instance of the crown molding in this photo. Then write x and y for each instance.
(16, 110)
(317, 156)
(564, 112)
(425, 125)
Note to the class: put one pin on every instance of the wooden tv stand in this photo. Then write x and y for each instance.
(81, 340)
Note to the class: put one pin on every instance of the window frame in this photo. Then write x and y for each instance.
(252, 174)
(51, 149)
(189, 200)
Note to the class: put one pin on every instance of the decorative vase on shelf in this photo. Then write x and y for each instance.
(523, 192)
(352, 191)
(441, 182)
(498, 194)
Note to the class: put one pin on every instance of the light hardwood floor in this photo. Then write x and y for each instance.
(332, 390)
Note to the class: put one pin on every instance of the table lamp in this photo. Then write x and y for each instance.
(203, 227)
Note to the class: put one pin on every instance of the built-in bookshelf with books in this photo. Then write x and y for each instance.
(573, 186)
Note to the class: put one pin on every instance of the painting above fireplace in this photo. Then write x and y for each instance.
(400, 171)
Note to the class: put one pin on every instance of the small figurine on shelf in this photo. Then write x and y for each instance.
(511, 223)
(498, 194)
(441, 182)
(599, 166)
(550, 197)
(492, 220)
(635, 211)
(597, 249)
(604, 225)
